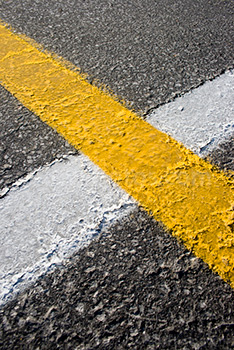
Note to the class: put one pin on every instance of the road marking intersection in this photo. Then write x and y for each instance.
(193, 199)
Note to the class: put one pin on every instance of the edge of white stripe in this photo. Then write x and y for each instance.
(202, 118)
(60, 210)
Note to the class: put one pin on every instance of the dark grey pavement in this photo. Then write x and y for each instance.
(137, 288)
(145, 51)
(223, 155)
(26, 143)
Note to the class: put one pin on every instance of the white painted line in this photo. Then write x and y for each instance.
(202, 118)
(60, 210)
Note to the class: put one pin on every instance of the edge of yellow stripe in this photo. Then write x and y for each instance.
(69, 65)
(193, 199)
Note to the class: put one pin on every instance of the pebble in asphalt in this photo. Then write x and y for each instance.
(26, 143)
(136, 288)
(147, 52)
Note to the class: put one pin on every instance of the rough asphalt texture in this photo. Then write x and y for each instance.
(223, 156)
(26, 143)
(147, 51)
(137, 288)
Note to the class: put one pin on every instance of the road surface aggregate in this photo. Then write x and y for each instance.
(26, 143)
(135, 288)
(146, 52)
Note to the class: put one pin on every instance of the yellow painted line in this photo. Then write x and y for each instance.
(194, 200)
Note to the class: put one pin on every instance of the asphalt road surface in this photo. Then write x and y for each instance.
(134, 286)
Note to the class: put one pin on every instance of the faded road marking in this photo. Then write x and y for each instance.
(202, 118)
(61, 209)
(191, 198)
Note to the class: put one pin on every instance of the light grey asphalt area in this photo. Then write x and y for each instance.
(146, 51)
(136, 288)
(26, 143)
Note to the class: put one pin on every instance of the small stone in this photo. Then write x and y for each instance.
(90, 269)
(90, 254)
(101, 317)
(80, 308)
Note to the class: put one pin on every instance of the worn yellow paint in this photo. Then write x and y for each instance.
(194, 200)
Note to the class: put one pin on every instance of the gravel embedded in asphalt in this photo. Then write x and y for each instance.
(26, 143)
(135, 288)
(223, 155)
(146, 51)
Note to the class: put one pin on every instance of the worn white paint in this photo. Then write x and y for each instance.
(51, 213)
(202, 118)
(55, 212)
